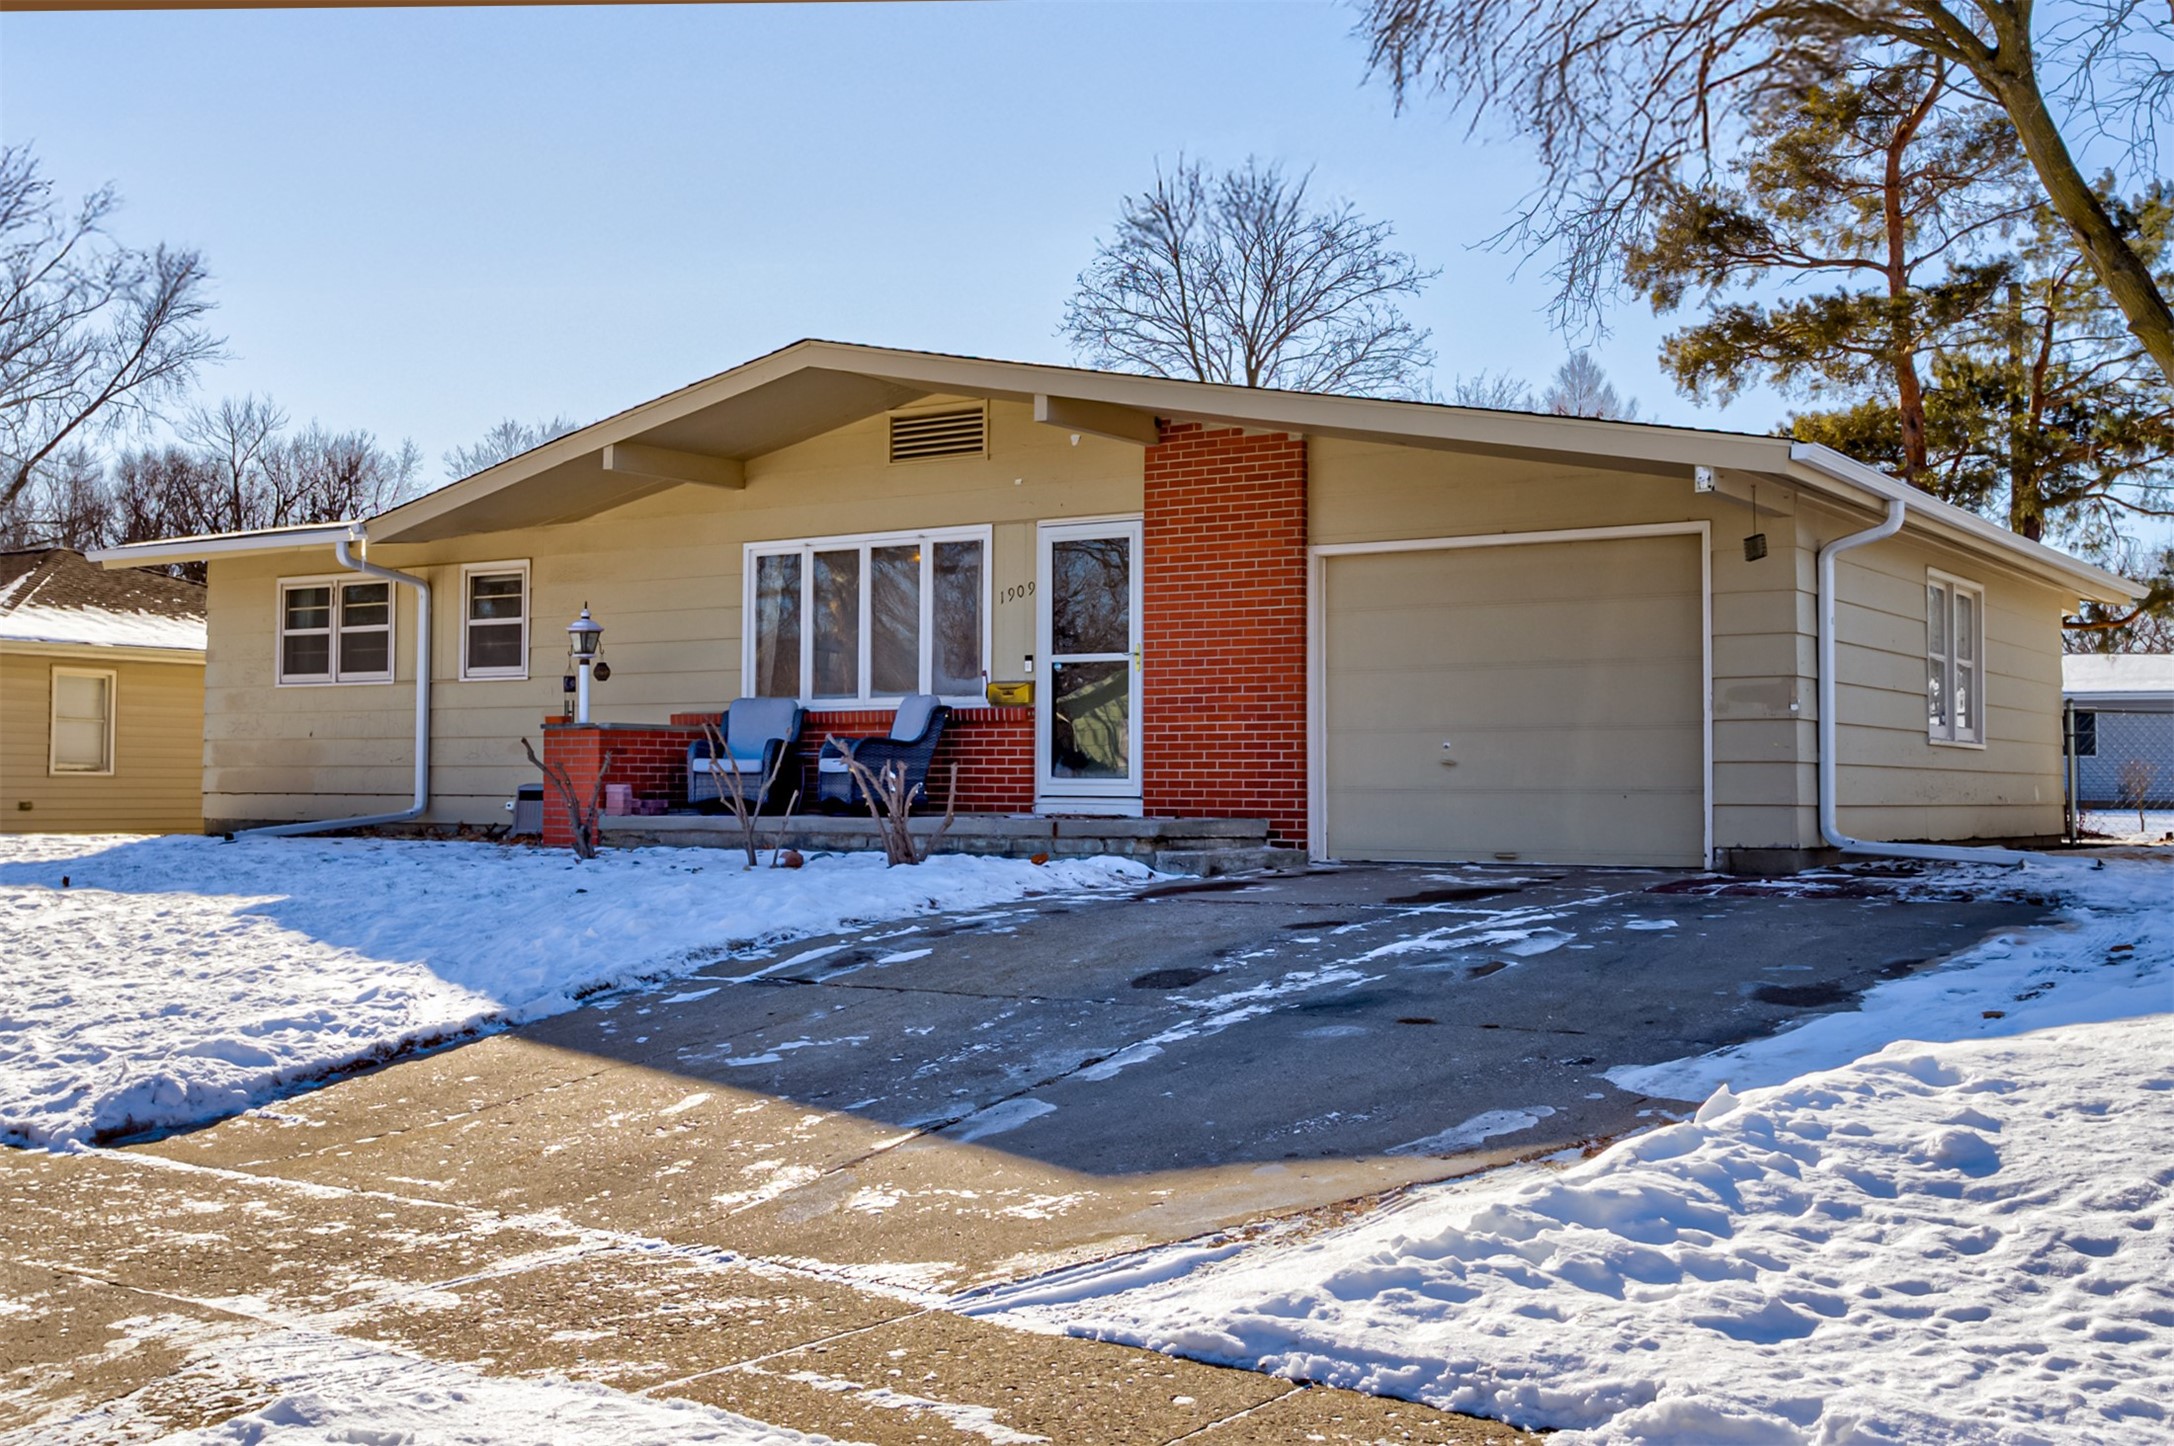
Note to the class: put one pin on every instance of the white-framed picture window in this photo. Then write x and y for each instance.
(866, 619)
(334, 630)
(1954, 660)
(494, 620)
(82, 726)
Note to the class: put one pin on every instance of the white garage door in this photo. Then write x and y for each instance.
(1537, 701)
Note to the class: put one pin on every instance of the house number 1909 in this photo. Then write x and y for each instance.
(1016, 592)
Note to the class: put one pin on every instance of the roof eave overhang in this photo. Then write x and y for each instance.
(226, 544)
(1828, 471)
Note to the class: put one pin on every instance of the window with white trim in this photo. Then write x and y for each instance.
(494, 620)
(82, 731)
(868, 619)
(1954, 660)
(335, 631)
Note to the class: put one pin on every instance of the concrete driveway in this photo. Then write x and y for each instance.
(756, 1186)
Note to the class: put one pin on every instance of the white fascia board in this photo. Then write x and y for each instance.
(95, 653)
(227, 544)
(2091, 582)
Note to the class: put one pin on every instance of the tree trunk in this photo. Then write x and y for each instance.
(1902, 332)
(2010, 77)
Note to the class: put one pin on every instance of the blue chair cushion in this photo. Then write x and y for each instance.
(911, 721)
(750, 725)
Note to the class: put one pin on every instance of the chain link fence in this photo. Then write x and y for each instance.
(2120, 772)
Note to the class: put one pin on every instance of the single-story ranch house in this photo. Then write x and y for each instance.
(1393, 630)
(101, 698)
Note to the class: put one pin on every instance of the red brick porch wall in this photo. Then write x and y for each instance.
(994, 748)
(1223, 627)
(650, 756)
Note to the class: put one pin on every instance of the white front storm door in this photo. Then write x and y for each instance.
(1087, 734)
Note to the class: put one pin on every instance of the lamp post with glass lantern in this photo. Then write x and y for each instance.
(585, 638)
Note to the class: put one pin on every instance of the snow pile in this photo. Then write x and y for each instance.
(179, 980)
(1959, 1242)
(338, 1392)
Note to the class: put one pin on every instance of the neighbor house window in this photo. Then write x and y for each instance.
(1954, 660)
(82, 721)
(334, 631)
(494, 627)
(842, 620)
(2086, 725)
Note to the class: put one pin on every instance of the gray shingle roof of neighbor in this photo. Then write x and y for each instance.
(55, 595)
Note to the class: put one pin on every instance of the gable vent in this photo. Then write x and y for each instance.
(918, 436)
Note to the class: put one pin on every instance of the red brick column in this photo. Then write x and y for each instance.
(1223, 627)
(652, 757)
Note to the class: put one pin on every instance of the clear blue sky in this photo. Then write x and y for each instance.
(421, 221)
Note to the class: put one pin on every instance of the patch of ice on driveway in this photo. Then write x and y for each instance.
(1647, 926)
(178, 980)
(1478, 1129)
(332, 1391)
(997, 1118)
(689, 996)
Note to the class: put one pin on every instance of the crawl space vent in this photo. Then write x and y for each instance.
(919, 436)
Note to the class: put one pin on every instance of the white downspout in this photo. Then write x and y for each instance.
(342, 548)
(1830, 827)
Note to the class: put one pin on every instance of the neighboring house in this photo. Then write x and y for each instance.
(101, 698)
(1395, 630)
(2124, 722)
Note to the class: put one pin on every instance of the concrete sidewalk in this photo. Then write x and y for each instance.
(756, 1186)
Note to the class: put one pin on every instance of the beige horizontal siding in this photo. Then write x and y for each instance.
(158, 750)
(662, 574)
(1892, 781)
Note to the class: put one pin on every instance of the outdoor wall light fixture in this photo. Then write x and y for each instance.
(1755, 545)
(585, 640)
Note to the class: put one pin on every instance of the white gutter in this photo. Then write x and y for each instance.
(197, 549)
(343, 550)
(1830, 827)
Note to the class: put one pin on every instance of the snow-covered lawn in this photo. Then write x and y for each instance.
(2127, 825)
(1948, 1217)
(172, 981)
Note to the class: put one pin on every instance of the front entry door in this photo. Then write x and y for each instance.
(1087, 746)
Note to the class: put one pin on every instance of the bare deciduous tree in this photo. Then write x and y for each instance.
(1238, 277)
(1496, 391)
(1624, 98)
(233, 438)
(66, 504)
(508, 439)
(91, 332)
(1582, 389)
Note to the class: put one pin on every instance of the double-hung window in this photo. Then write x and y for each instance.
(82, 736)
(846, 620)
(494, 620)
(1954, 660)
(335, 631)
